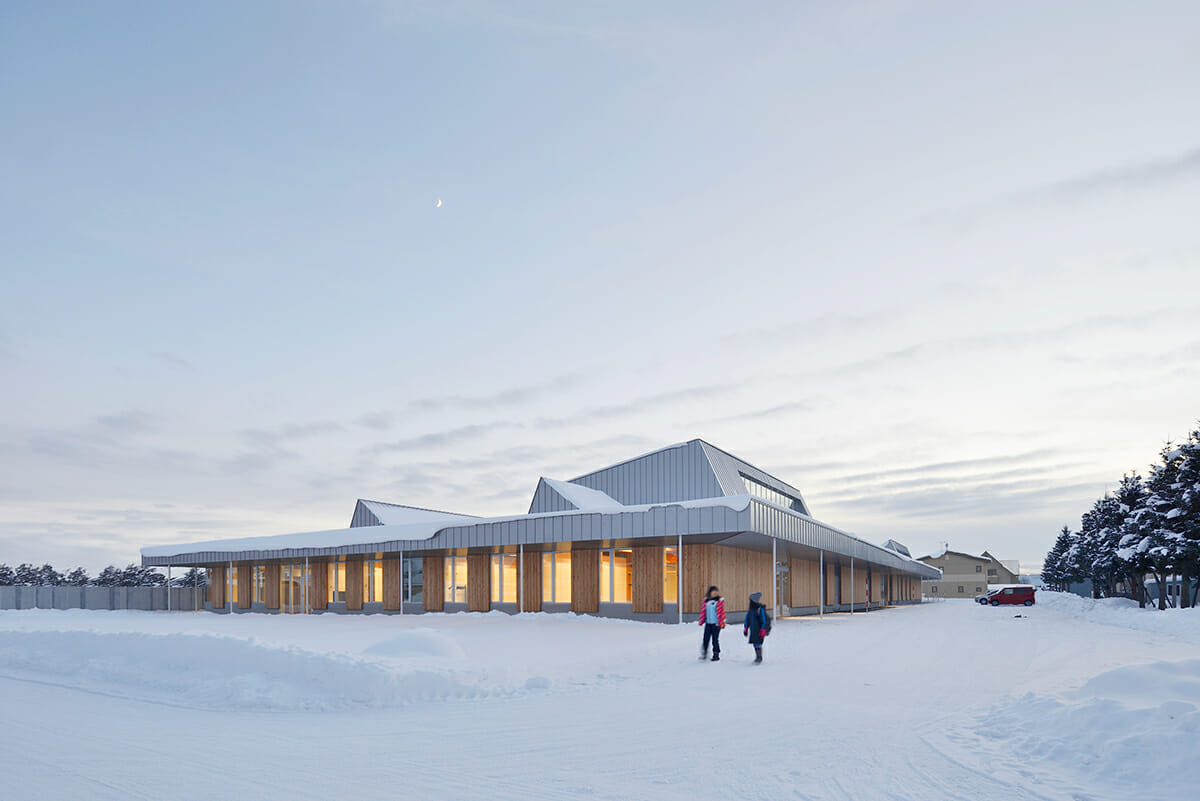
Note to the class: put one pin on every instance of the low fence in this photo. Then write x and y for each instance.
(148, 599)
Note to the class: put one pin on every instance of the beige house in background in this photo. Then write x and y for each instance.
(965, 575)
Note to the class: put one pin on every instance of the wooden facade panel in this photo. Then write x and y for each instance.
(830, 584)
(354, 585)
(479, 582)
(648, 579)
(393, 583)
(318, 584)
(585, 581)
(243, 577)
(433, 596)
(696, 569)
(531, 583)
(271, 575)
(806, 583)
(737, 573)
(216, 587)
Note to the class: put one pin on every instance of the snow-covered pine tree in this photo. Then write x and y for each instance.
(8, 576)
(76, 578)
(196, 577)
(109, 577)
(1103, 524)
(47, 576)
(25, 575)
(1162, 542)
(1052, 568)
(1188, 504)
(1130, 495)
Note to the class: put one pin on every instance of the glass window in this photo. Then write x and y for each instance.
(233, 582)
(670, 575)
(979, 568)
(606, 577)
(337, 580)
(960, 588)
(456, 579)
(547, 578)
(623, 576)
(508, 576)
(377, 581)
(761, 490)
(979, 589)
(562, 577)
(260, 585)
(504, 578)
(413, 572)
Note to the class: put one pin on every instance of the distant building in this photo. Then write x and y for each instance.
(963, 575)
(1003, 572)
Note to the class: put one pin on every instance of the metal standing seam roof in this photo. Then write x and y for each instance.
(692, 488)
(725, 516)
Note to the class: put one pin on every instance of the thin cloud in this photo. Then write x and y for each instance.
(1142, 175)
(760, 414)
(171, 360)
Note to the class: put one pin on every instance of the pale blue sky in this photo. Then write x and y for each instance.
(935, 263)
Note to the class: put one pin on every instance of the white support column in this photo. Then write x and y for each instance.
(679, 578)
(168, 588)
(229, 588)
(821, 588)
(304, 589)
(775, 577)
(403, 582)
(852, 585)
(520, 577)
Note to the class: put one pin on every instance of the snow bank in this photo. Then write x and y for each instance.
(217, 672)
(1123, 727)
(1122, 613)
(317, 662)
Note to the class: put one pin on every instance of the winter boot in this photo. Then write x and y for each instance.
(703, 654)
(758, 655)
(716, 658)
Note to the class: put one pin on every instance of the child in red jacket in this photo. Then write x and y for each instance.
(712, 618)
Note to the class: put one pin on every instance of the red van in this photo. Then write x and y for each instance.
(1011, 595)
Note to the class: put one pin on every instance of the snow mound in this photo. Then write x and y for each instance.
(228, 673)
(1117, 727)
(1122, 613)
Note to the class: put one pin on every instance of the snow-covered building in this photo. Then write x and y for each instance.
(629, 540)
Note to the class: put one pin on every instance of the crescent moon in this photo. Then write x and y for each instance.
(438, 205)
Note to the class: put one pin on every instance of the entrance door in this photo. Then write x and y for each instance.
(783, 585)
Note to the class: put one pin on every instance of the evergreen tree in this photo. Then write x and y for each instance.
(26, 575)
(7, 576)
(1188, 520)
(109, 577)
(1130, 495)
(47, 576)
(1155, 539)
(196, 577)
(76, 578)
(1052, 568)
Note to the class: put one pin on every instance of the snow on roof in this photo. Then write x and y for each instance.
(394, 514)
(366, 535)
(582, 497)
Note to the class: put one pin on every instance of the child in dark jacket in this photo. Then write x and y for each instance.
(758, 622)
(712, 618)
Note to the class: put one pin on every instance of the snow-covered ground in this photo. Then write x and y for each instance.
(1071, 699)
